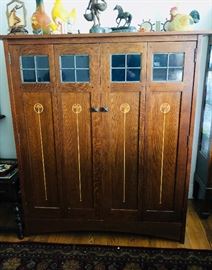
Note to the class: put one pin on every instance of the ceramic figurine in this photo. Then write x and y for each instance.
(127, 17)
(92, 14)
(182, 22)
(41, 22)
(16, 16)
(62, 17)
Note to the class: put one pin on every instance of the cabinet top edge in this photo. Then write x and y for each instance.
(105, 35)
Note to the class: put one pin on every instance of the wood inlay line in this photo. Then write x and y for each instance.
(77, 108)
(38, 108)
(124, 108)
(124, 165)
(164, 108)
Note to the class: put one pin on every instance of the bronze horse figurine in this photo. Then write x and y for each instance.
(123, 15)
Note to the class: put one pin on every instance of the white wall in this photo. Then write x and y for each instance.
(154, 10)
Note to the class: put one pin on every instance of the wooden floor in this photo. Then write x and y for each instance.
(198, 236)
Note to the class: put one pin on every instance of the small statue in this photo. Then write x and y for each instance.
(16, 22)
(123, 16)
(92, 14)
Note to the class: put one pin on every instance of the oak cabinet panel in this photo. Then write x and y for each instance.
(76, 136)
(38, 116)
(124, 98)
(35, 111)
(162, 146)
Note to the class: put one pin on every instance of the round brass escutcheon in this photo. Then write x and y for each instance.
(165, 108)
(38, 108)
(125, 108)
(76, 108)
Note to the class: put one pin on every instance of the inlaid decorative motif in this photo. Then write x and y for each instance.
(165, 109)
(77, 109)
(38, 109)
(124, 108)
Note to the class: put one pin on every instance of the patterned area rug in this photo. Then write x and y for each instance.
(33, 256)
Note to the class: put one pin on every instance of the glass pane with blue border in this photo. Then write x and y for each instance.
(133, 74)
(68, 75)
(133, 60)
(43, 75)
(118, 60)
(27, 62)
(82, 75)
(160, 74)
(82, 61)
(175, 74)
(118, 75)
(176, 60)
(29, 76)
(42, 62)
(160, 60)
(67, 61)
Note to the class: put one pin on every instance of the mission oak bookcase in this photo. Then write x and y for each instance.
(103, 128)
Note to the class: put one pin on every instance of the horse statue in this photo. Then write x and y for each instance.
(93, 11)
(123, 15)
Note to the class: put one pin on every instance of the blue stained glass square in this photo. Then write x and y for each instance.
(68, 75)
(27, 62)
(67, 61)
(43, 76)
(176, 60)
(118, 60)
(118, 75)
(82, 61)
(29, 76)
(42, 61)
(133, 74)
(175, 74)
(160, 60)
(82, 75)
(159, 74)
(133, 60)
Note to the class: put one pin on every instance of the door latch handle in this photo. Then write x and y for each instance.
(95, 109)
(104, 109)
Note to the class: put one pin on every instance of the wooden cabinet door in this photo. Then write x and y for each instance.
(123, 79)
(32, 96)
(168, 112)
(77, 86)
